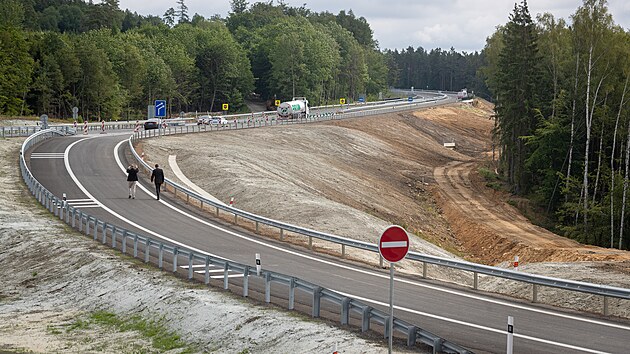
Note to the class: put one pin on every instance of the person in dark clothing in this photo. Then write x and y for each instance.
(132, 178)
(157, 177)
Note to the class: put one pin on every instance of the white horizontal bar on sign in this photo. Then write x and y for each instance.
(393, 244)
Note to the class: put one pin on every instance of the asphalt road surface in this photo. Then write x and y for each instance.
(89, 170)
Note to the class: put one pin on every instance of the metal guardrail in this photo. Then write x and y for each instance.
(536, 280)
(157, 252)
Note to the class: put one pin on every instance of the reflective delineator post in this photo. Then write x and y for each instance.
(510, 335)
(515, 262)
(232, 201)
(258, 265)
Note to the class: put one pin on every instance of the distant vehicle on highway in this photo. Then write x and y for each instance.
(218, 120)
(203, 120)
(152, 123)
(211, 120)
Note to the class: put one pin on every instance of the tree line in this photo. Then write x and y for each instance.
(562, 118)
(111, 64)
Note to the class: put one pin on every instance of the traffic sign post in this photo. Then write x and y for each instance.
(393, 246)
(160, 108)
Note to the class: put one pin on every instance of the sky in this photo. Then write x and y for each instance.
(398, 24)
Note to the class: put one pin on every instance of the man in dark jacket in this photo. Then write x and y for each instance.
(157, 177)
(132, 178)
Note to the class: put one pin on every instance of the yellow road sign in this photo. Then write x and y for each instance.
(342, 101)
(225, 106)
(277, 103)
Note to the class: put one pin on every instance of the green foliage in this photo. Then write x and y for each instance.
(16, 67)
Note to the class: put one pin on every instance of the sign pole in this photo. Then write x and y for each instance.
(393, 247)
(391, 306)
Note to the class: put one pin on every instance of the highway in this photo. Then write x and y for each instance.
(90, 171)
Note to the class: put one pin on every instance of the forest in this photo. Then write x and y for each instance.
(562, 118)
(111, 64)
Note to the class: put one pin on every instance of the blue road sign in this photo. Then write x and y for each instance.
(160, 108)
(410, 99)
(361, 99)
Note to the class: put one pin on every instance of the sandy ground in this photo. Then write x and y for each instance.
(54, 278)
(354, 177)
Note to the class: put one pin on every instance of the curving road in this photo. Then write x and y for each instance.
(90, 172)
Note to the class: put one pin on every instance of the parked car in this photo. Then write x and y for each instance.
(153, 123)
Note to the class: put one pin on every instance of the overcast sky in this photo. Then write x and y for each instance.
(462, 24)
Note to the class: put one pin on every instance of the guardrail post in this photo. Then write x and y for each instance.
(190, 265)
(424, 270)
(281, 234)
(217, 212)
(411, 336)
(317, 295)
(365, 319)
(87, 224)
(124, 241)
(161, 255)
(207, 271)
(147, 250)
(437, 345)
(256, 226)
(67, 212)
(135, 246)
(175, 251)
(104, 233)
(386, 327)
(74, 211)
(246, 282)
(310, 243)
(113, 236)
(605, 306)
(534, 292)
(292, 294)
(343, 251)
(475, 280)
(345, 311)
(235, 218)
(380, 261)
(226, 268)
(267, 287)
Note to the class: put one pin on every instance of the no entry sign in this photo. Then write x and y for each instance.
(394, 243)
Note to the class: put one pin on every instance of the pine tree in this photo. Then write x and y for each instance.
(520, 74)
(182, 12)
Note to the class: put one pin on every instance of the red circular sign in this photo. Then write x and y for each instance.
(394, 243)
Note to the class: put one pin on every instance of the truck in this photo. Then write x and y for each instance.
(296, 108)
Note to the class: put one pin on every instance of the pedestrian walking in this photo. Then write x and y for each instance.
(157, 177)
(132, 178)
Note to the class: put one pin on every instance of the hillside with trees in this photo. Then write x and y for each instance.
(562, 118)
